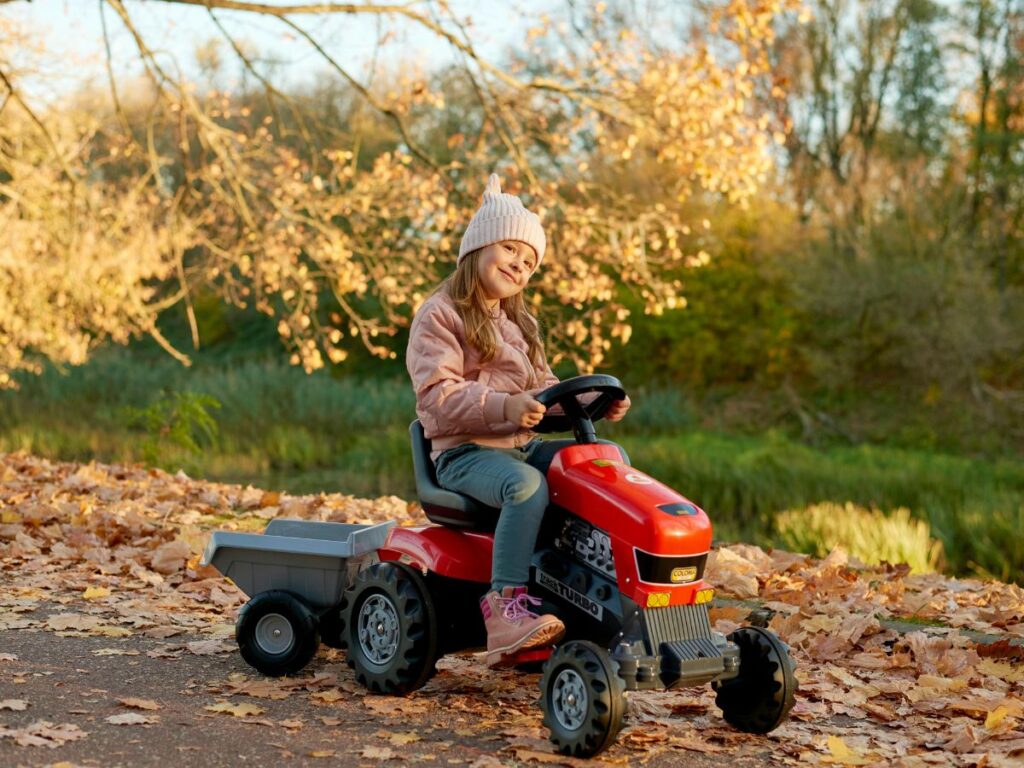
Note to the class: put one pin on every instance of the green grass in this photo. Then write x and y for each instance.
(277, 426)
(282, 429)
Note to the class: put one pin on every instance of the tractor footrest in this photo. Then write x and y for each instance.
(690, 662)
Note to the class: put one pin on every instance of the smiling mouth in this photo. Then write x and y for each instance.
(507, 275)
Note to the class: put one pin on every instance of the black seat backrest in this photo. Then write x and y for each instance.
(442, 506)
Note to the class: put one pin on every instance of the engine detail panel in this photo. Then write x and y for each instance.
(587, 544)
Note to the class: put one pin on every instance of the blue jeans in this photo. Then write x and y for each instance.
(514, 480)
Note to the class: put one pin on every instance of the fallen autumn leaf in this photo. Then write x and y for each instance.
(238, 710)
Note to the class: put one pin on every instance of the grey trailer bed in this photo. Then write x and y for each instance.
(309, 559)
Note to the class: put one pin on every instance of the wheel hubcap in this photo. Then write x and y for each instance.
(274, 634)
(569, 699)
(378, 629)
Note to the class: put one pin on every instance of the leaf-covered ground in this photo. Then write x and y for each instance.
(116, 649)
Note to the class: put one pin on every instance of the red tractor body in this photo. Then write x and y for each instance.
(619, 558)
(659, 538)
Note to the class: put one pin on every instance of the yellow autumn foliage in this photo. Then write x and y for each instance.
(104, 226)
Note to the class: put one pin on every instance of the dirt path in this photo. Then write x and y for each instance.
(322, 717)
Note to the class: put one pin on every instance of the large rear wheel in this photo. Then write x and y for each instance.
(389, 628)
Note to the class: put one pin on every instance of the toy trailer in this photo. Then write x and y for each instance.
(294, 574)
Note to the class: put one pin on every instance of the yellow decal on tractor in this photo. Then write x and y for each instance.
(683, 575)
(704, 596)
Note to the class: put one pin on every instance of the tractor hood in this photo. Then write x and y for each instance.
(635, 509)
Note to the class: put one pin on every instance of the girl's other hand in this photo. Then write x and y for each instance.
(523, 410)
(618, 409)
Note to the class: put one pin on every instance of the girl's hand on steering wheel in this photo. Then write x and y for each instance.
(523, 410)
(618, 409)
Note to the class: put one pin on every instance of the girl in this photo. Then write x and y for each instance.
(476, 361)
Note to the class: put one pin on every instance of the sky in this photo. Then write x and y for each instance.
(74, 28)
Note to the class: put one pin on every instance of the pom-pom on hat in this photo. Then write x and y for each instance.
(502, 217)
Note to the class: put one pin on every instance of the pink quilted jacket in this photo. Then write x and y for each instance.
(458, 398)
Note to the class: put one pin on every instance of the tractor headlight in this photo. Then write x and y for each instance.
(658, 599)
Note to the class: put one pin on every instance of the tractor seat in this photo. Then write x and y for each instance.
(441, 506)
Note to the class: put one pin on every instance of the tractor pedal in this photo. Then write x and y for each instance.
(528, 660)
(532, 656)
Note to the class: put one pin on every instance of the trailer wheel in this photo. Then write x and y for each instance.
(389, 628)
(276, 633)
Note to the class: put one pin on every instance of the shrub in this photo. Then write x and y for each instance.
(871, 536)
(174, 422)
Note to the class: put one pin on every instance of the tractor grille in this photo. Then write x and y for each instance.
(678, 622)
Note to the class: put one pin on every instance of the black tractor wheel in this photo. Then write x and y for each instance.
(389, 628)
(330, 627)
(583, 698)
(759, 698)
(276, 633)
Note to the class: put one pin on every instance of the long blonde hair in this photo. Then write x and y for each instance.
(466, 292)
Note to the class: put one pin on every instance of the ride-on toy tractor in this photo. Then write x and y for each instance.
(620, 559)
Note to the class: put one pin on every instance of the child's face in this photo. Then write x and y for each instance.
(505, 268)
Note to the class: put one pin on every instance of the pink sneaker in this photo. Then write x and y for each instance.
(512, 626)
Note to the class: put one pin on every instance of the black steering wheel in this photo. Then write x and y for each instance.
(575, 415)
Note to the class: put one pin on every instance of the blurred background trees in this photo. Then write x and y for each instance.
(886, 257)
(808, 203)
(802, 223)
(336, 208)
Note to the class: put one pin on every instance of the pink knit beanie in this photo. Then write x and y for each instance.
(502, 217)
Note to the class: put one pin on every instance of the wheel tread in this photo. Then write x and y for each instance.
(760, 698)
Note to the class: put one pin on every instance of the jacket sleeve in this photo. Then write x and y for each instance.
(446, 402)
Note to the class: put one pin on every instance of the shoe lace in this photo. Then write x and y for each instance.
(516, 607)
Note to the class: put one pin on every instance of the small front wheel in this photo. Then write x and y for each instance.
(389, 628)
(276, 633)
(583, 698)
(759, 698)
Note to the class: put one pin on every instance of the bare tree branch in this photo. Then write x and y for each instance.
(13, 93)
(267, 85)
(391, 114)
(122, 117)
